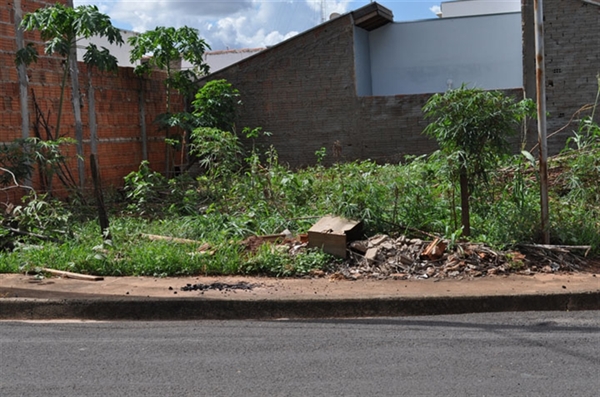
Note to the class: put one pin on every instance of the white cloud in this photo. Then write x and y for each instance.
(223, 24)
(435, 9)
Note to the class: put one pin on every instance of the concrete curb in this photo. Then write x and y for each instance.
(222, 309)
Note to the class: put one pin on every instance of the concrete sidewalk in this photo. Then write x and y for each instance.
(147, 298)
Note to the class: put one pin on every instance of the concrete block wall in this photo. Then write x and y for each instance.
(572, 55)
(117, 100)
(303, 91)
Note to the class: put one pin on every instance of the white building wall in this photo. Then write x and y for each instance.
(362, 63)
(462, 8)
(216, 60)
(122, 53)
(434, 55)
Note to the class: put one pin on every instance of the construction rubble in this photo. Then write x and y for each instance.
(382, 256)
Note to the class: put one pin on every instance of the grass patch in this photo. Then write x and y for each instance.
(266, 198)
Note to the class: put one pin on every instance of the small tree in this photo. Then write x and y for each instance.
(217, 105)
(161, 48)
(213, 139)
(60, 27)
(472, 126)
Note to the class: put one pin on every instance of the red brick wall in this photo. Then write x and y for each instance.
(117, 99)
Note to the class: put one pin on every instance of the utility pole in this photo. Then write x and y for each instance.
(541, 116)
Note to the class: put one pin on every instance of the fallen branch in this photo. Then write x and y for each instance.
(558, 248)
(156, 237)
(76, 276)
(36, 235)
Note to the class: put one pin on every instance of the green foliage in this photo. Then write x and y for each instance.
(216, 105)
(269, 198)
(60, 27)
(20, 155)
(242, 194)
(37, 218)
(471, 127)
(577, 202)
(161, 47)
(100, 58)
(149, 193)
(218, 151)
(321, 153)
(508, 213)
(276, 261)
(142, 188)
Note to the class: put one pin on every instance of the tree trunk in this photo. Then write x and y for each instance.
(92, 114)
(464, 201)
(74, 68)
(102, 216)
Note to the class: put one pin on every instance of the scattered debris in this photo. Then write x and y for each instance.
(382, 256)
(284, 241)
(402, 258)
(242, 285)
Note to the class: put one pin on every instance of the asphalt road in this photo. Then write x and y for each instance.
(500, 354)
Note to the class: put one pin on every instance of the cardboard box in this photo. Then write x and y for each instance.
(332, 234)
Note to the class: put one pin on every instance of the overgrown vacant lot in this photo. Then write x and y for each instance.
(470, 209)
(416, 199)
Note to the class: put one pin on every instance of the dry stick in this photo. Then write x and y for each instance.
(168, 238)
(102, 215)
(77, 276)
(581, 109)
(64, 175)
(559, 248)
(301, 218)
(24, 233)
(15, 185)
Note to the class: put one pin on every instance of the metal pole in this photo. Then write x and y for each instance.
(541, 116)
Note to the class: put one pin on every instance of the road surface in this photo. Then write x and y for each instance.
(500, 354)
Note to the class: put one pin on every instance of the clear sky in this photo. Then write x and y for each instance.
(244, 23)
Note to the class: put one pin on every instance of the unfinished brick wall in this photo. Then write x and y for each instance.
(572, 55)
(119, 99)
(304, 92)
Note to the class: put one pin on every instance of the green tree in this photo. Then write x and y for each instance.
(61, 27)
(162, 48)
(216, 105)
(471, 127)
